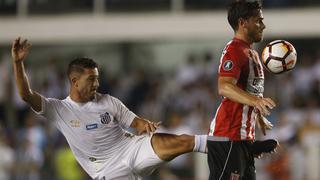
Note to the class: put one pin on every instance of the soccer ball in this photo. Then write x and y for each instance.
(279, 56)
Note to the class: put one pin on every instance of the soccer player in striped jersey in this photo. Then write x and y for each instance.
(231, 137)
(93, 123)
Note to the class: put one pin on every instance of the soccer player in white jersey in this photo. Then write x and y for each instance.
(93, 124)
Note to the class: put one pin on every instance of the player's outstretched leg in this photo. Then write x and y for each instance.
(169, 146)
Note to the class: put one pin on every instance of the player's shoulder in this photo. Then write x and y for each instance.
(104, 97)
(100, 96)
(107, 100)
(236, 48)
(235, 45)
(55, 100)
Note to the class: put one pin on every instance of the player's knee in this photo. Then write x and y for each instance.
(186, 141)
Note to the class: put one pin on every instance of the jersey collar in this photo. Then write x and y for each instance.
(243, 42)
(76, 103)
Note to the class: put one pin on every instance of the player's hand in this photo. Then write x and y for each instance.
(149, 127)
(264, 105)
(263, 123)
(20, 49)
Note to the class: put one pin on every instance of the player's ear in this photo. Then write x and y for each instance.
(74, 80)
(242, 22)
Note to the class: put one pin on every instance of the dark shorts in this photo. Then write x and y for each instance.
(231, 160)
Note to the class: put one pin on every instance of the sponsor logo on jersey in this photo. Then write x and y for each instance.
(105, 118)
(227, 65)
(74, 123)
(92, 126)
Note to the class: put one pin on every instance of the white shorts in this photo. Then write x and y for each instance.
(132, 163)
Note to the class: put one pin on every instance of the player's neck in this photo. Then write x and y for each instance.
(243, 37)
(75, 96)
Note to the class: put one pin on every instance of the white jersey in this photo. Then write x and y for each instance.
(93, 129)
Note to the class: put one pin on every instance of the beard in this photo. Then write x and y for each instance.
(259, 38)
(88, 96)
(92, 95)
(256, 36)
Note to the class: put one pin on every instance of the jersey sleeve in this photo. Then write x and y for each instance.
(122, 114)
(231, 63)
(48, 107)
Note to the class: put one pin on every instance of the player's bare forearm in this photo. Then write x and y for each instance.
(227, 87)
(144, 126)
(19, 52)
(22, 80)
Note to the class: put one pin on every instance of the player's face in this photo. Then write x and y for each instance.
(255, 27)
(88, 84)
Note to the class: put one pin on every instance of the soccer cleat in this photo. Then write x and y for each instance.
(266, 146)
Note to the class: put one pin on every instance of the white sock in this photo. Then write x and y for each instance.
(200, 143)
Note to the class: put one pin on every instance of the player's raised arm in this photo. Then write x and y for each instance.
(19, 51)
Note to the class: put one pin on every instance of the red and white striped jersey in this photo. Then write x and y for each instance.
(232, 119)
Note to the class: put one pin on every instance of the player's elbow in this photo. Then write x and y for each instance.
(25, 95)
(225, 86)
(222, 89)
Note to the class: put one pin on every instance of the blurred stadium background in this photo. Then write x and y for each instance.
(160, 58)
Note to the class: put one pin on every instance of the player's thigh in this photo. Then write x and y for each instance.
(118, 169)
(168, 146)
(144, 160)
(250, 173)
(225, 160)
(137, 160)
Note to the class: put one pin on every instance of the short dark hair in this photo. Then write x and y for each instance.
(242, 9)
(79, 64)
